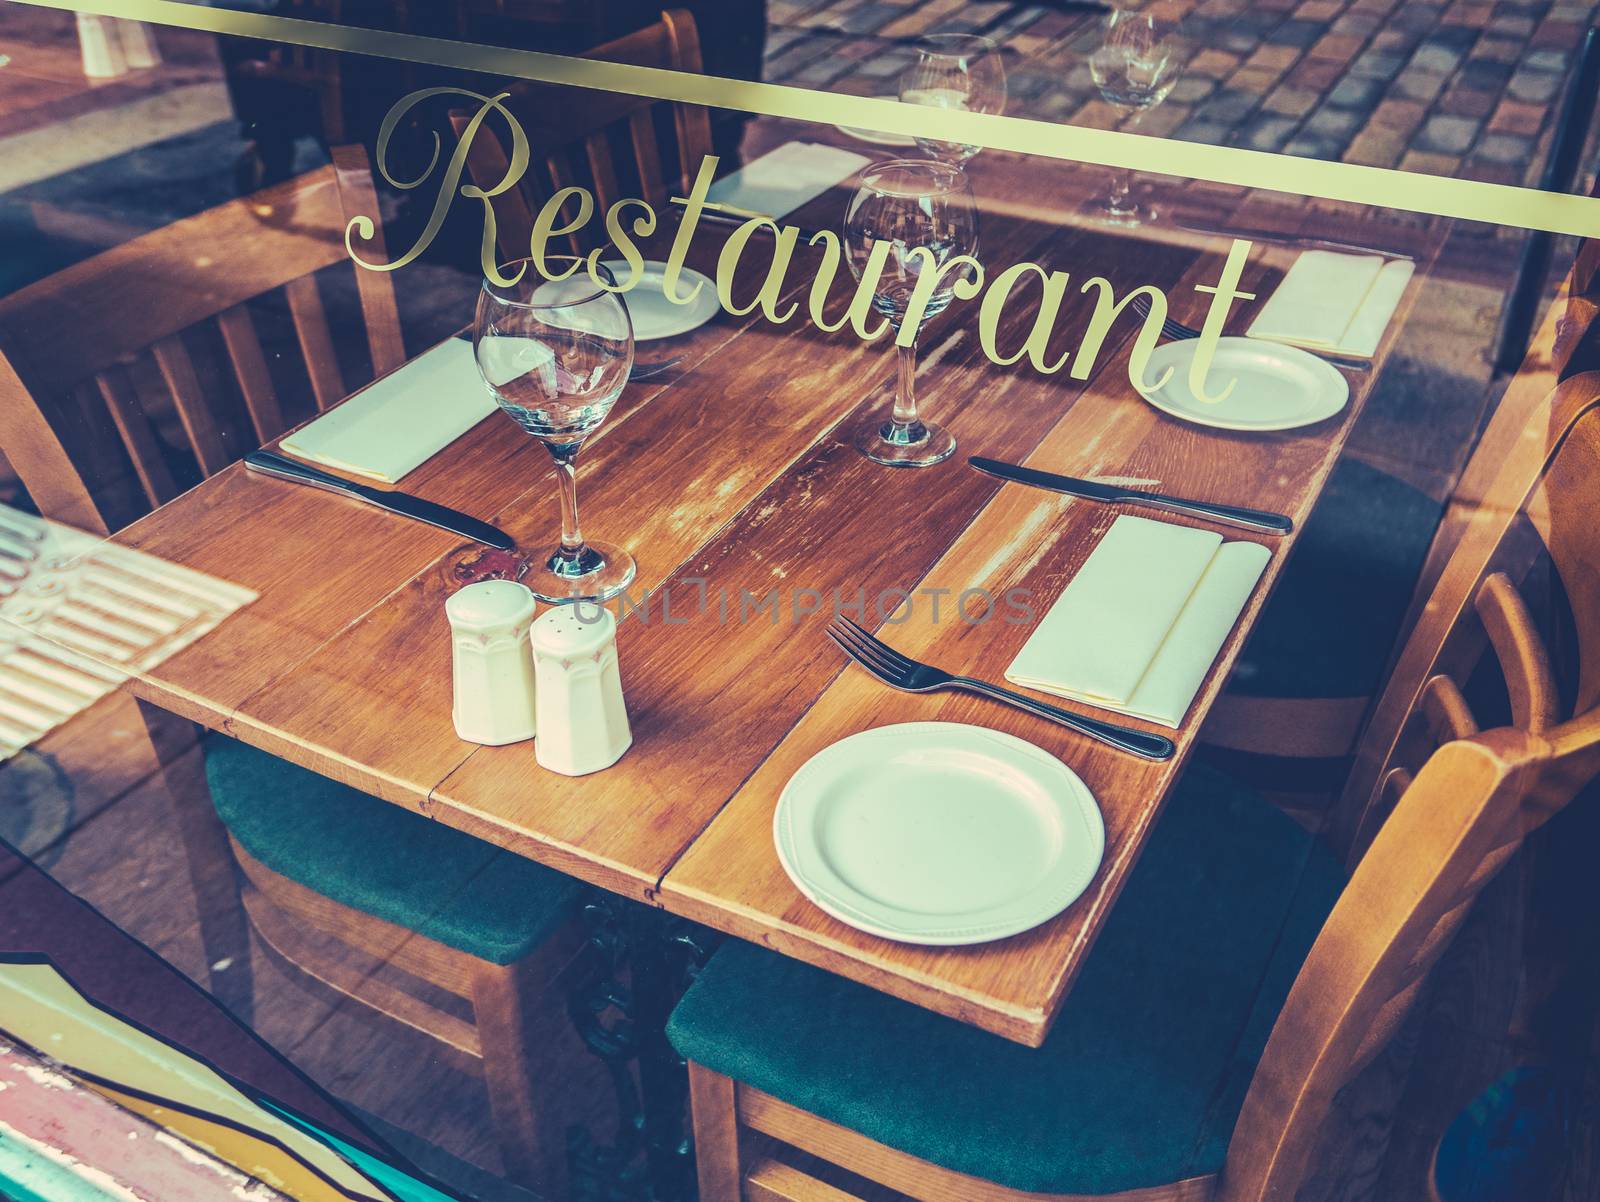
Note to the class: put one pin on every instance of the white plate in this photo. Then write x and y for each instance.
(878, 137)
(1279, 387)
(938, 833)
(654, 316)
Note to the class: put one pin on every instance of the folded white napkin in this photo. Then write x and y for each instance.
(1138, 627)
(410, 415)
(1334, 302)
(782, 180)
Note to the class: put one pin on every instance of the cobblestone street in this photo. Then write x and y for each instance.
(1463, 88)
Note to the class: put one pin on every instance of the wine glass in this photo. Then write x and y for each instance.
(1136, 64)
(955, 71)
(909, 203)
(556, 354)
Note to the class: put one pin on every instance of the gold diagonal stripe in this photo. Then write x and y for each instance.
(1470, 200)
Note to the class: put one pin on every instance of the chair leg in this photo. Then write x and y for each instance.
(532, 1135)
(716, 1134)
(224, 928)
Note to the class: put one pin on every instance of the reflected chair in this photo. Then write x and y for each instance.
(131, 376)
(1306, 682)
(614, 144)
(1241, 981)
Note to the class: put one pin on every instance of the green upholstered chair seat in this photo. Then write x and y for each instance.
(1332, 623)
(384, 860)
(1143, 1074)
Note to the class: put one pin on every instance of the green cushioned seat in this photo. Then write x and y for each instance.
(1143, 1074)
(1332, 623)
(384, 860)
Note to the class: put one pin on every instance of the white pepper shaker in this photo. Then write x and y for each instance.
(491, 666)
(583, 722)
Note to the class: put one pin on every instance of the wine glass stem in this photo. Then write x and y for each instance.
(567, 483)
(1120, 187)
(905, 399)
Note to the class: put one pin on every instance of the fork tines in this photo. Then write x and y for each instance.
(1175, 330)
(877, 657)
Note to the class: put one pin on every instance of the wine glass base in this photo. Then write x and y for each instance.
(1130, 212)
(610, 569)
(874, 440)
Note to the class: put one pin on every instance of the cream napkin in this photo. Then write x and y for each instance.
(1138, 627)
(782, 180)
(410, 415)
(1333, 302)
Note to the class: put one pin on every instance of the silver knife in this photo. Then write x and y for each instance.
(1280, 238)
(1234, 515)
(281, 468)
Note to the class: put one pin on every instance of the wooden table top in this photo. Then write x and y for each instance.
(733, 477)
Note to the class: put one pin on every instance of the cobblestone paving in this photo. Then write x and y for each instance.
(1448, 87)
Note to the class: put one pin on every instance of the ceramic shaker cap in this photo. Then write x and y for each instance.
(491, 667)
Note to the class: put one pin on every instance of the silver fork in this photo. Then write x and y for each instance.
(909, 676)
(1179, 332)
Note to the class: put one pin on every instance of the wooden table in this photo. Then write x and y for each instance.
(731, 478)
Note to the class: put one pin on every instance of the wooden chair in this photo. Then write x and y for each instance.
(1448, 806)
(137, 373)
(131, 376)
(1530, 545)
(1465, 814)
(614, 144)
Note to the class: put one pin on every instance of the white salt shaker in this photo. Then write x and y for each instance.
(583, 722)
(491, 667)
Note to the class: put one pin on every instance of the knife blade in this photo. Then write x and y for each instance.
(1279, 238)
(418, 509)
(1235, 515)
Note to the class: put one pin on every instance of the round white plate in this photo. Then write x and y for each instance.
(938, 833)
(1279, 387)
(878, 137)
(654, 316)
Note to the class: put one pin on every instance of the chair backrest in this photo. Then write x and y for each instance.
(1509, 639)
(134, 374)
(1512, 627)
(611, 143)
(1461, 819)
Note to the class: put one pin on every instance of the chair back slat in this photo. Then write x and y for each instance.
(1455, 827)
(163, 375)
(646, 153)
(692, 120)
(1512, 632)
(577, 132)
(189, 398)
(374, 289)
(562, 176)
(1445, 711)
(250, 368)
(603, 173)
(127, 413)
(316, 340)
